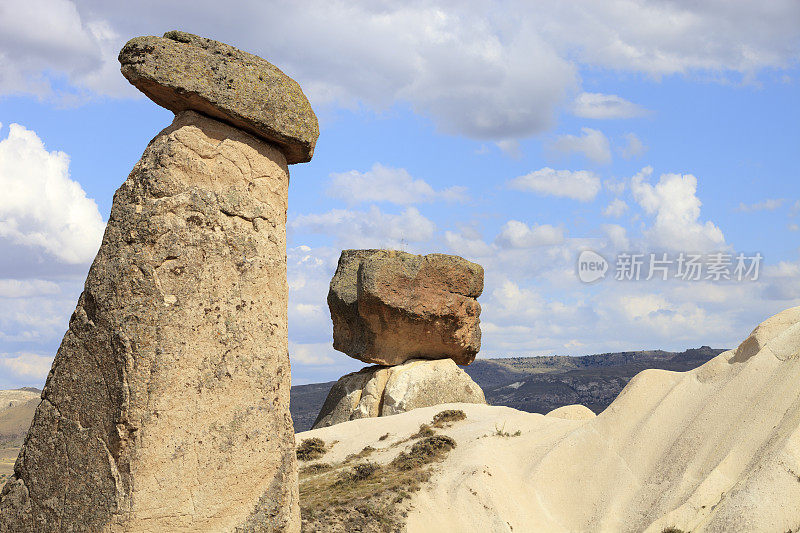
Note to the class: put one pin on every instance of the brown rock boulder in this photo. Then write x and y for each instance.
(182, 71)
(388, 307)
(167, 407)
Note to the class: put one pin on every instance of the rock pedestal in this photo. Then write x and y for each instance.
(389, 390)
(167, 405)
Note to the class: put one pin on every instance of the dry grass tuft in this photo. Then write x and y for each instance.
(447, 417)
(426, 451)
(311, 449)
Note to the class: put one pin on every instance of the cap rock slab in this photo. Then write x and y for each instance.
(181, 71)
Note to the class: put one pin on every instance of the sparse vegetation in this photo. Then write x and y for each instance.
(447, 417)
(366, 451)
(384, 436)
(501, 432)
(367, 496)
(426, 451)
(424, 431)
(672, 530)
(311, 449)
(315, 468)
(360, 472)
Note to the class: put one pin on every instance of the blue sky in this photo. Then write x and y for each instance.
(513, 134)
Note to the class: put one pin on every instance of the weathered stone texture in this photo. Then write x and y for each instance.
(181, 71)
(382, 391)
(167, 405)
(388, 307)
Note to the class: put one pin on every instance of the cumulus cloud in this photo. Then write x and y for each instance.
(386, 184)
(368, 229)
(476, 70)
(516, 234)
(674, 204)
(30, 367)
(634, 147)
(41, 207)
(593, 144)
(770, 204)
(582, 185)
(616, 208)
(605, 106)
(40, 37)
(314, 354)
(617, 236)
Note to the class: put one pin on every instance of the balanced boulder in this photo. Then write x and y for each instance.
(388, 306)
(182, 71)
(167, 406)
(382, 391)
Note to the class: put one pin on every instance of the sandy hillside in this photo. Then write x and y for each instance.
(713, 449)
(16, 412)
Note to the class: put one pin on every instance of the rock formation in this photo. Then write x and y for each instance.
(382, 391)
(167, 405)
(572, 412)
(388, 307)
(416, 316)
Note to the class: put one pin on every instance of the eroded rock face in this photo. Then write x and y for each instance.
(181, 71)
(382, 391)
(167, 405)
(388, 307)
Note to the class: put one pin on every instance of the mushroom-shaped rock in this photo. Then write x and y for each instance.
(388, 307)
(181, 71)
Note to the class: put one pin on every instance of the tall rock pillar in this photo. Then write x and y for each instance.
(167, 407)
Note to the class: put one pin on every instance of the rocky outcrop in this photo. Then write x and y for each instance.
(182, 71)
(572, 412)
(388, 307)
(381, 391)
(166, 408)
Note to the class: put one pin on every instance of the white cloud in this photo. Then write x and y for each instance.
(794, 227)
(616, 208)
(605, 106)
(770, 204)
(676, 207)
(368, 229)
(511, 148)
(634, 146)
(41, 207)
(313, 354)
(593, 144)
(469, 245)
(15, 288)
(386, 184)
(581, 185)
(29, 367)
(38, 37)
(617, 235)
(478, 71)
(516, 234)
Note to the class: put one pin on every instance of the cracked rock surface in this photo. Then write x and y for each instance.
(388, 307)
(181, 71)
(167, 405)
